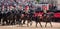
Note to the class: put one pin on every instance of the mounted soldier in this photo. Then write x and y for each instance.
(19, 14)
(46, 15)
(26, 12)
(44, 12)
(5, 15)
(0, 16)
(0, 12)
(31, 15)
(49, 18)
(12, 15)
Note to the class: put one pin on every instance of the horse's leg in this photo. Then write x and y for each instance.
(40, 24)
(36, 24)
(3, 21)
(24, 19)
(28, 23)
(0, 20)
(50, 21)
(46, 24)
(13, 21)
(31, 22)
(20, 22)
(10, 20)
(17, 21)
(46, 19)
(7, 22)
(50, 24)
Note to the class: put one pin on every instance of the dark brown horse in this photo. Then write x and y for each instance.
(48, 18)
(37, 19)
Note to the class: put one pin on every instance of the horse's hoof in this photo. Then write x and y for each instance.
(23, 23)
(30, 24)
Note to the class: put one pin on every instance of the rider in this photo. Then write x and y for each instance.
(44, 12)
(31, 12)
(26, 12)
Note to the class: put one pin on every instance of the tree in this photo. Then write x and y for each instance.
(38, 1)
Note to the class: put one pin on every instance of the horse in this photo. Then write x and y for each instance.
(36, 19)
(19, 16)
(0, 16)
(10, 18)
(48, 18)
(5, 14)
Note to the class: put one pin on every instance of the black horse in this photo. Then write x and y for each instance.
(5, 15)
(18, 16)
(0, 16)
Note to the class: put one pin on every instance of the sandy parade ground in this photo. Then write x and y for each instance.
(56, 25)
